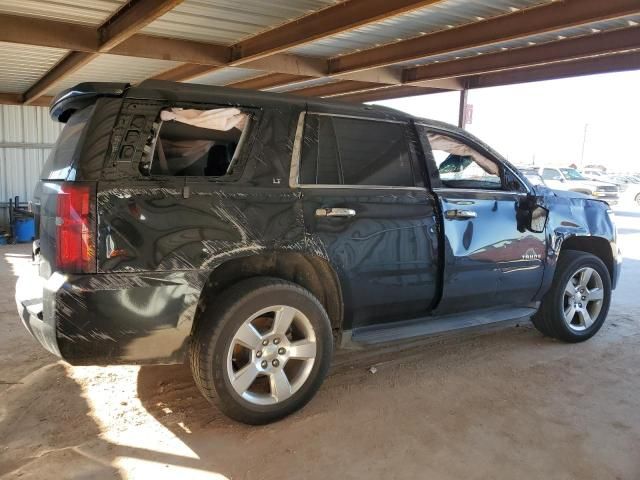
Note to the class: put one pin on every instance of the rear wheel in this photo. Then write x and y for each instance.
(637, 199)
(262, 350)
(577, 304)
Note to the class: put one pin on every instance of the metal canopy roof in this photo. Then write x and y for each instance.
(355, 50)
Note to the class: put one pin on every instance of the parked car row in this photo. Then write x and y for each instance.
(571, 180)
(629, 185)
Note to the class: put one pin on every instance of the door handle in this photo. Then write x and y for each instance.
(460, 214)
(335, 212)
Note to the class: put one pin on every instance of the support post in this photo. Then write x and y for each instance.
(462, 113)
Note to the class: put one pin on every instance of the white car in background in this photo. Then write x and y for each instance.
(570, 179)
(628, 185)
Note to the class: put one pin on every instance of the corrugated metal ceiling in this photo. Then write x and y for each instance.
(115, 68)
(225, 76)
(228, 21)
(440, 16)
(22, 65)
(88, 12)
(594, 28)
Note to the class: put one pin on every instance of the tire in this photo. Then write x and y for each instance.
(552, 318)
(249, 313)
(637, 200)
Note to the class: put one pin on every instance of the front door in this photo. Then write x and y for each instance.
(366, 209)
(490, 260)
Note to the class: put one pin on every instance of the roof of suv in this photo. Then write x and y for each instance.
(194, 93)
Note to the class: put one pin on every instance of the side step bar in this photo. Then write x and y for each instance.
(427, 326)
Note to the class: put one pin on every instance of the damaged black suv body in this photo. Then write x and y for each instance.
(254, 233)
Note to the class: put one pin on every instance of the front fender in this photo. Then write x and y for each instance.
(579, 221)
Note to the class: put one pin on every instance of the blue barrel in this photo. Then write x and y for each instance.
(24, 229)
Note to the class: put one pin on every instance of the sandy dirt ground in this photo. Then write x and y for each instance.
(505, 403)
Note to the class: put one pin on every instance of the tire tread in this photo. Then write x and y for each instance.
(210, 328)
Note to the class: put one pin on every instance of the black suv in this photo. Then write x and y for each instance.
(252, 233)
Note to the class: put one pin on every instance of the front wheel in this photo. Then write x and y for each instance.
(637, 199)
(262, 349)
(577, 304)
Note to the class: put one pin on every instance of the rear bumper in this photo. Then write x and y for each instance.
(111, 318)
(31, 293)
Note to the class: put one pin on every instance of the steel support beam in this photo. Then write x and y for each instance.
(548, 17)
(270, 80)
(342, 17)
(47, 33)
(338, 18)
(569, 49)
(133, 16)
(82, 38)
(607, 64)
(335, 88)
(65, 67)
(18, 99)
(385, 93)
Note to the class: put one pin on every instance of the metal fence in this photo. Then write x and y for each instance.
(26, 137)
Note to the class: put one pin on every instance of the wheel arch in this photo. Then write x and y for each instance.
(598, 246)
(309, 271)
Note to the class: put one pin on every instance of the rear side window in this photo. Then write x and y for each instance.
(60, 162)
(201, 143)
(348, 151)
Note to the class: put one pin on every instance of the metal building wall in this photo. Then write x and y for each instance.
(26, 137)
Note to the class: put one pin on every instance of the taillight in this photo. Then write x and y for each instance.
(75, 252)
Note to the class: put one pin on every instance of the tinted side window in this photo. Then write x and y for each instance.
(319, 159)
(349, 151)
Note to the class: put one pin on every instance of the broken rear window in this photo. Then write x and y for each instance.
(199, 142)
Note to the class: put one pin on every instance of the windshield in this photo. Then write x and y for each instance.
(572, 174)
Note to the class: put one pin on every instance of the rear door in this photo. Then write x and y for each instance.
(366, 208)
(490, 260)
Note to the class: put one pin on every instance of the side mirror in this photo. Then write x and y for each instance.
(538, 219)
(530, 215)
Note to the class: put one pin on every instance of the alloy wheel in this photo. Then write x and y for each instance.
(583, 299)
(271, 355)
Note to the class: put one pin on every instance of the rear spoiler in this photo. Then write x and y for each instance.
(82, 95)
